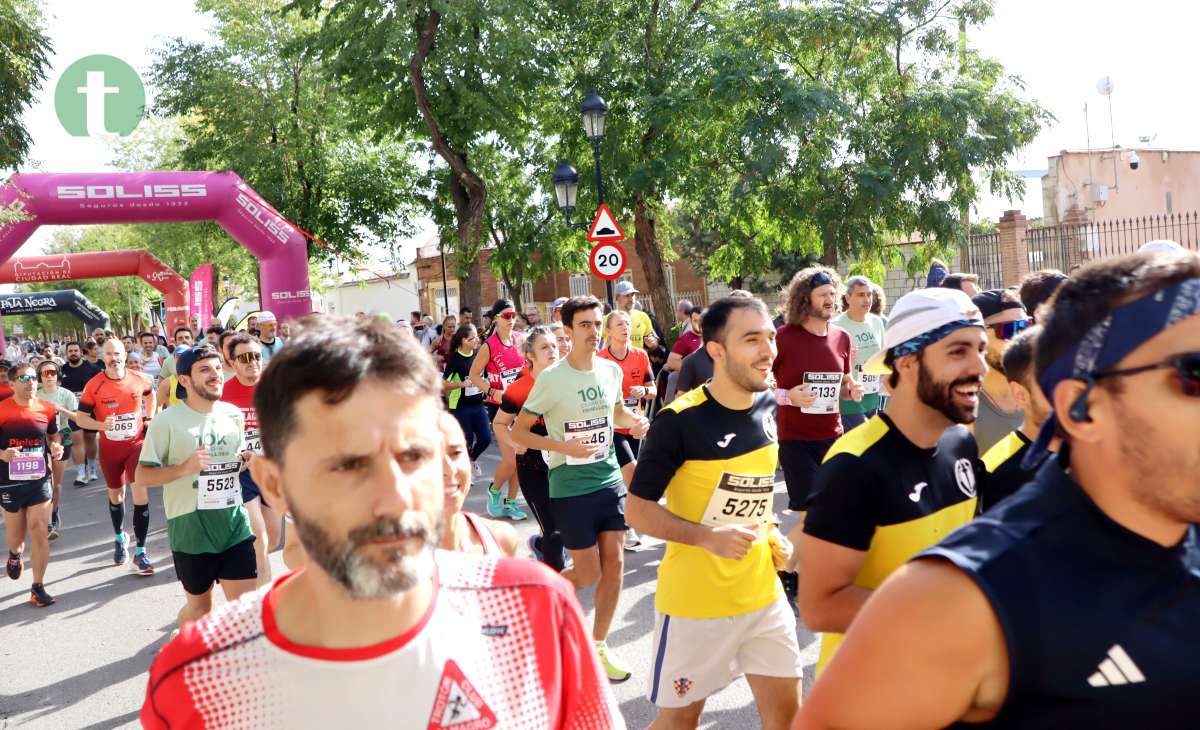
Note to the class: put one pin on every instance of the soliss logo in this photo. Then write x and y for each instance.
(265, 218)
(118, 192)
(301, 294)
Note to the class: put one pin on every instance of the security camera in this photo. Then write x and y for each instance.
(1134, 161)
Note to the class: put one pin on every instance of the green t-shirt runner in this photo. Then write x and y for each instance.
(867, 338)
(204, 511)
(64, 400)
(579, 405)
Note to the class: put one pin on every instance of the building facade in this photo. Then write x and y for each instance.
(1103, 184)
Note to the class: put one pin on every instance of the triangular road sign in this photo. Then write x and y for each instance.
(458, 705)
(604, 227)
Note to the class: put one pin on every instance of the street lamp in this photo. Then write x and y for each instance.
(566, 179)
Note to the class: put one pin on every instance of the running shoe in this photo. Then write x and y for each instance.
(93, 472)
(52, 530)
(616, 674)
(81, 479)
(632, 539)
(791, 586)
(512, 511)
(495, 505)
(39, 597)
(120, 553)
(535, 547)
(14, 566)
(141, 563)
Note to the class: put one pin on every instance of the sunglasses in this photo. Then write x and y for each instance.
(1187, 366)
(26, 378)
(50, 373)
(508, 315)
(1009, 330)
(248, 357)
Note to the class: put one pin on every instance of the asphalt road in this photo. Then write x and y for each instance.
(82, 663)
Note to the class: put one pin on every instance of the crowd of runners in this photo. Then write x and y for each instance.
(991, 498)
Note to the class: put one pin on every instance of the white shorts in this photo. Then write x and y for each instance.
(697, 657)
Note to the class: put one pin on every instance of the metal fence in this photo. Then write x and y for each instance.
(983, 254)
(1117, 238)
(1050, 247)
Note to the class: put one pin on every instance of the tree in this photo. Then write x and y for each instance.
(24, 60)
(258, 102)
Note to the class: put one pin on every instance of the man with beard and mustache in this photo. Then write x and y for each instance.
(579, 400)
(813, 374)
(194, 449)
(75, 375)
(720, 610)
(904, 479)
(999, 412)
(378, 629)
(1005, 461)
(1073, 604)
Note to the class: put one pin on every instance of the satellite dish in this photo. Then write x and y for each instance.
(1104, 86)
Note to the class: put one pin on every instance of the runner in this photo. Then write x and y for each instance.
(637, 387)
(1073, 604)
(498, 363)
(866, 337)
(999, 413)
(1037, 288)
(1006, 471)
(720, 610)
(463, 397)
(195, 450)
(74, 376)
(151, 361)
(357, 639)
(183, 338)
(812, 373)
(467, 532)
(28, 433)
(639, 322)
(541, 352)
(579, 399)
(265, 522)
(168, 386)
(115, 402)
(65, 404)
(266, 335)
(906, 478)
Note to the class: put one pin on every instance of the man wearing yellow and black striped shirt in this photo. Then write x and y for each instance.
(720, 610)
(907, 477)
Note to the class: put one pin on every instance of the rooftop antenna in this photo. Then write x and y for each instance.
(1104, 87)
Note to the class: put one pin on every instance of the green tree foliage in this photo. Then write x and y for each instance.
(258, 102)
(24, 59)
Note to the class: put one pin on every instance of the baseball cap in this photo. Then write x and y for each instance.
(266, 317)
(992, 302)
(1161, 245)
(625, 288)
(558, 303)
(190, 356)
(921, 318)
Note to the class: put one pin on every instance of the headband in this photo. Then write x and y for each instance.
(1108, 341)
(925, 339)
(819, 279)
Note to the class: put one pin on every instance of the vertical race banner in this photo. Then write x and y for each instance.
(201, 294)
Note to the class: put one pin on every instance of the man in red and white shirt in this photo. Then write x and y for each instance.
(378, 629)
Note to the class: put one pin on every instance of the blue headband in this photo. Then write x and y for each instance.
(819, 279)
(925, 339)
(1124, 330)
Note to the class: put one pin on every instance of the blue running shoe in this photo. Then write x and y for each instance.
(495, 505)
(535, 547)
(141, 563)
(512, 511)
(120, 553)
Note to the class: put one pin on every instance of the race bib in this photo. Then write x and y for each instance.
(508, 377)
(471, 390)
(826, 386)
(218, 486)
(253, 441)
(740, 500)
(591, 431)
(632, 403)
(871, 384)
(124, 427)
(29, 465)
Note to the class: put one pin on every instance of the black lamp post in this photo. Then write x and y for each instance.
(566, 179)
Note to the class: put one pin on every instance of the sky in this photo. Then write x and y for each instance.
(1060, 48)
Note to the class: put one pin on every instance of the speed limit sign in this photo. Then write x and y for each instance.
(608, 260)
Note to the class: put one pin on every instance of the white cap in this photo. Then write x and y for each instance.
(1161, 245)
(266, 317)
(919, 312)
(626, 287)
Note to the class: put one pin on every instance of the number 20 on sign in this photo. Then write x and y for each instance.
(608, 260)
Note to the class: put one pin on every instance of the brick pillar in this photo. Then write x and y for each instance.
(1014, 249)
(1074, 237)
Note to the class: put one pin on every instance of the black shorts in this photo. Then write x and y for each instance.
(250, 490)
(627, 448)
(16, 497)
(197, 573)
(800, 461)
(581, 519)
(492, 409)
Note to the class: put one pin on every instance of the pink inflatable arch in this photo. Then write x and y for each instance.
(169, 197)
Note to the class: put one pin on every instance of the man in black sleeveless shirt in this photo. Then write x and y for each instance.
(1074, 604)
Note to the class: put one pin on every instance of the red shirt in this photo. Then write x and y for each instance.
(26, 428)
(805, 357)
(687, 343)
(635, 370)
(242, 396)
(103, 397)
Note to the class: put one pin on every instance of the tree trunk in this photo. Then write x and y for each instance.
(829, 254)
(649, 252)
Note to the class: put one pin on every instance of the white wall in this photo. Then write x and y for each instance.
(397, 297)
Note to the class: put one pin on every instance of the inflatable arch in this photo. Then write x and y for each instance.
(103, 264)
(169, 197)
(65, 300)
